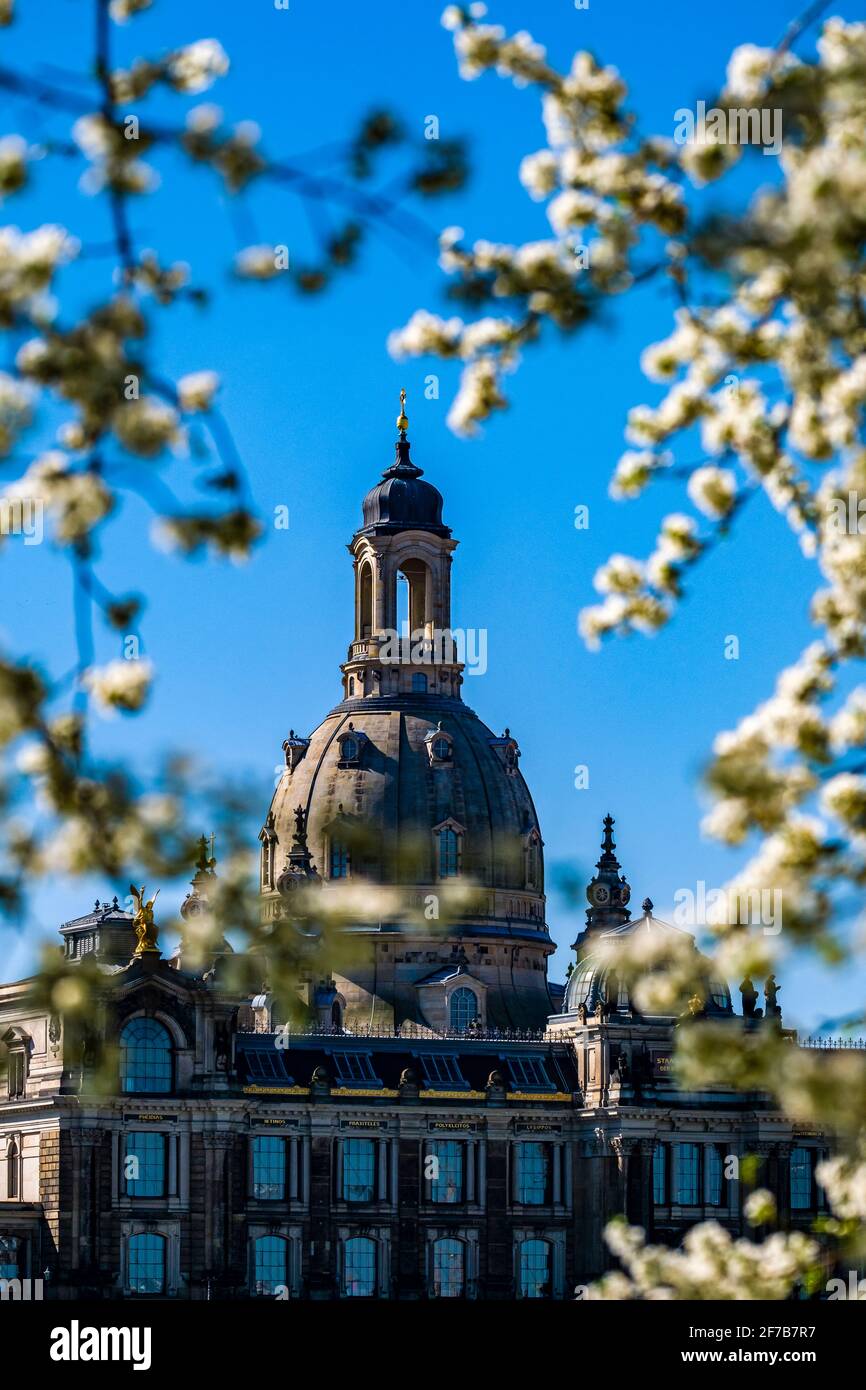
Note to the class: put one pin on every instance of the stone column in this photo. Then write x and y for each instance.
(217, 1211)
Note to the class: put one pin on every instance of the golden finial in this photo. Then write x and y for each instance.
(402, 419)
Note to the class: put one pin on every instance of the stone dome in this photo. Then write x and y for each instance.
(368, 778)
(594, 978)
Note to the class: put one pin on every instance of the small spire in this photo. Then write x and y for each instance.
(608, 844)
(402, 418)
(647, 906)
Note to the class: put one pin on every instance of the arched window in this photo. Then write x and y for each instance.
(145, 1057)
(462, 1009)
(339, 859)
(535, 1269)
(419, 683)
(441, 749)
(365, 602)
(449, 853)
(449, 1268)
(351, 685)
(146, 1260)
(533, 864)
(359, 1267)
(271, 1265)
(336, 1016)
(12, 1156)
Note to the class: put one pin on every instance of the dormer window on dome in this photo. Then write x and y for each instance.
(440, 747)
(351, 744)
(295, 749)
(508, 750)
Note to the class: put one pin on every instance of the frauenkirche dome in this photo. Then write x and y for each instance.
(402, 784)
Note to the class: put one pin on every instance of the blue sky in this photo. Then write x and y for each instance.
(243, 653)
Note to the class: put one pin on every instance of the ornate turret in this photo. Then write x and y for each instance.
(196, 901)
(300, 871)
(197, 947)
(607, 892)
(402, 539)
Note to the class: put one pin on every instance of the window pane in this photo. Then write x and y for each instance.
(448, 1266)
(359, 1268)
(269, 1168)
(801, 1179)
(463, 1009)
(660, 1175)
(145, 1057)
(12, 1171)
(359, 1164)
(339, 860)
(144, 1164)
(17, 1074)
(9, 1251)
(446, 1183)
(715, 1184)
(686, 1190)
(271, 1264)
(533, 1172)
(447, 853)
(534, 1269)
(147, 1263)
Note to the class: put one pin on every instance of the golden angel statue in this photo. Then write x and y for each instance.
(145, 927)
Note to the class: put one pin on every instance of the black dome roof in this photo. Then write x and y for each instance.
(402, 502)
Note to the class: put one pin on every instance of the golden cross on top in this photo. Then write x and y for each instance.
(402, 420)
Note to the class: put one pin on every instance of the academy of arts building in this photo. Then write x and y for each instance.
(448, 1123)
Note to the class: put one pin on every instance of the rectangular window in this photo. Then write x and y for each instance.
(144, 1164)
(359, 1170)
(442, 1071)
(449, 860)
(17, 1075)
(533, 1174)
(339, 860)
(529, 1071)
(444, 1162)
(715, 1177)
(269, 1168)
(802, 1196)
(355, 1068)
(660, 1175)
(271, 1265)
(687, 1175)
(10, 1248)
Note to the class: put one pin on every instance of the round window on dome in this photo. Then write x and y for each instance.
(441, 749)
